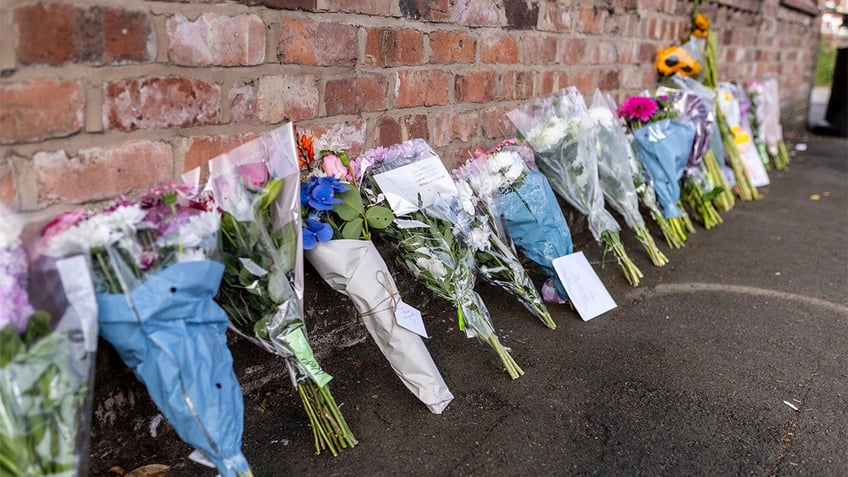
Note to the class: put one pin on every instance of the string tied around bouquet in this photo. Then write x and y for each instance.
(390, 303)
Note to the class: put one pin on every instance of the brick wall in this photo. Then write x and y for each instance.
(100, 98)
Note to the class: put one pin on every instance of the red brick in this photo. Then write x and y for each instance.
(451, 46)
(127, 37)
(155, 103)
(215, 39)
(501, 49)
(421, 88)
(631, 77)
(555, 17)
(584, 80)
(40, 109)
(588, 21)
(539, 50)
(98, 173)
(355, 94)
(8, 192)
(476, 13)
(496, 124)
(307, 42)
(547, 83)
(243, 108)
(434, 10)
(521, 14)
(516, 84)
(609, 80)
(203, 148)
(602, 53)
(396, 130)
(292, 97)
(449, 125)
(647, 52)
(394, 47)
(349, 137)
(308, 5)
(45, 34)
(572, 51)
(475, 87)
(368, 7)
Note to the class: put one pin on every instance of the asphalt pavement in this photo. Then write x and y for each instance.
(730, 360)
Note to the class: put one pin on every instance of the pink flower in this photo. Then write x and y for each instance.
(62, 222)
(333, 166)
(254, 175)
(638, 107)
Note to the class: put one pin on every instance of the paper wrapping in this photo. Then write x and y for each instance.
(356, 269)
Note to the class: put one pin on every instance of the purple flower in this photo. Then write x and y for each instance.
(16, 308)
(315, 231)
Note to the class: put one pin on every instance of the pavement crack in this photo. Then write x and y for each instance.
(790, 429)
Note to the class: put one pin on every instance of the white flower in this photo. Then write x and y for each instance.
(478, 238)
(484, 183)
(602, 116)
(10, 230)
(432, 265)
(466, 196)
(82, 237)
(198, 227)
(548, 134)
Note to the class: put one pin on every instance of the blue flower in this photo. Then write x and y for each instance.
(333, 182)
(315, 231)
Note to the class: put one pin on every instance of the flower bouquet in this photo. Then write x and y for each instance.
(663, 146)
(562, 134)
(766, 114)
(698, 187)
(615, 173)
(339, 220)
(46, 359)
(156, 271)
(734, 104)
(481, 183)
(426, 238)
(257, 186)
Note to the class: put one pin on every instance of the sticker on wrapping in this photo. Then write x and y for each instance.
(409, 317)
(428, 178)
(79, 290)
(303, 353)
(585, 290)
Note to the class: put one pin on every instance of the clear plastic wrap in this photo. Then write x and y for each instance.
(48, 343)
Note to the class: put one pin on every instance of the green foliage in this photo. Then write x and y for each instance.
(825, 65)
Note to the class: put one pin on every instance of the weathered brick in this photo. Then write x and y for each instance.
(539, 50)
(308, 42)
(631, 77)
(368, 7)
(40, 109)
(202, 148)
(572, 51)
(428, 10)
(647, 52)
(292, 97)
(609, 80)
(556, 17)
(215, 39)
(451, 46)
(495, 123)
(394, 47)
(475, 87)
(127, 37)
(308, 5)
(602, 53)
(355, 94)
(475, 13)
(243, 108)
(155, 103)
(449, 125)
(391, 130)
(45, 33)
(548, 83)
(101, 173)
(585, 80)
(56, 34)
(8, 192)
(589, 21)
(521, 14)
(421, 88)
(497, 48)
(349, 137)
(516, 84)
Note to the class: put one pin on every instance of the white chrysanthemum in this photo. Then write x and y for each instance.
(478, 238)
(484, 183)
(548, 134)
(198, 228)
(127, 217)
(466, 196)
(602, 116)
(432, 265)
(82, 237)
(10, 230)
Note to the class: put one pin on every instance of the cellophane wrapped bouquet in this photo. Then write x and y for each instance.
(765, 96)
(258, 188)
(48, 342)
(339, 220)
(663, 146)
(433, 233)
(156, 269)
(735, 105)
(483, 184)
(561, 132)
(615, 173)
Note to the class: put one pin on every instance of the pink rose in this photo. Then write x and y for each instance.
(333, 166)
(254, 175)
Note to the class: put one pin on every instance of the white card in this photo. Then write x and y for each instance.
(753, 163)
(410, 318)
(427, 177)
(585, 290)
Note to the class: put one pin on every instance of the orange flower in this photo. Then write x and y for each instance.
(699, 33)
(675, 59)
(305, 150)
(701, 23)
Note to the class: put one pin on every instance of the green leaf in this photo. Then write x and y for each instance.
(352, 229)
(38, 326)
(272, 190)
(352, 199)
(379, 217)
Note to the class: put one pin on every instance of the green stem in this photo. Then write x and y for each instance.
(612, 241)
(510, 365)
(724, 200)
(644, 237)
(667, 230)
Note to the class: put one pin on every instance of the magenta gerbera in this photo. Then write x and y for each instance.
(638, 107)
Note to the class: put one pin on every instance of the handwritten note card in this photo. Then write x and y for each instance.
(585, 290)
(409, 317)
(427, 177)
